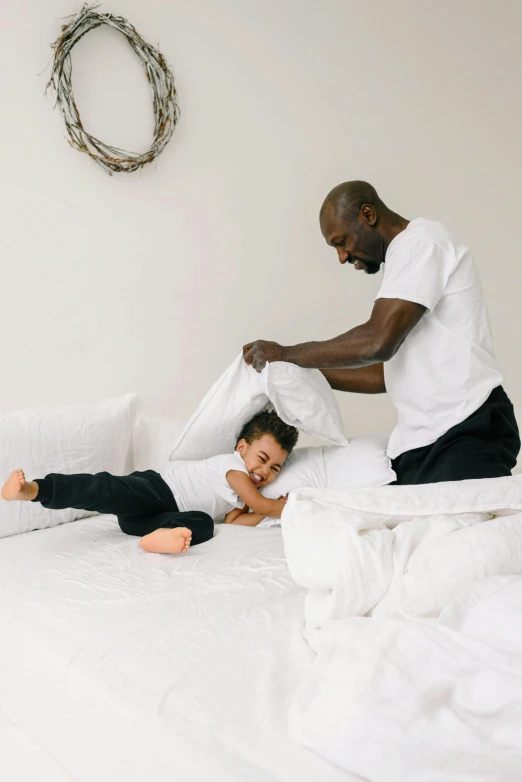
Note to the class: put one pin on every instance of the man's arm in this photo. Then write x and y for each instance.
(371, 343)
(365, 380)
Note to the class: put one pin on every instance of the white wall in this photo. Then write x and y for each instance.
(153, 281)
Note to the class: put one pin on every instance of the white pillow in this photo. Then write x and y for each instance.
(304, 467)
(302, 397)
(152, 442)
(363, 462)
(79, 439)
(233, 399)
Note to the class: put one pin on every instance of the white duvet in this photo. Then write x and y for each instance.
(414, 609)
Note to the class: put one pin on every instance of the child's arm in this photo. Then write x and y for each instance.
(245, 519)
(232, 515)
(246, 491)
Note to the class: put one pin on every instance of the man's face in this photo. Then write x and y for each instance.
(356, 241)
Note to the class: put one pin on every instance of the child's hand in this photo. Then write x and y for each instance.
(233, 514)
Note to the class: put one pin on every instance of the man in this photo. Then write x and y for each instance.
(427, 343)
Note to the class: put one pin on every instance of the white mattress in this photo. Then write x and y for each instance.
(130, 666)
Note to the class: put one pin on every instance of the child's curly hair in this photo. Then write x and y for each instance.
(268, 422)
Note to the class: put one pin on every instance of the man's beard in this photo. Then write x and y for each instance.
(370, 244)
(372, 267)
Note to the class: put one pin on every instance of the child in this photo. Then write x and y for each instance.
(172, 510)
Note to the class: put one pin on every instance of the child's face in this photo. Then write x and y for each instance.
(263, 458)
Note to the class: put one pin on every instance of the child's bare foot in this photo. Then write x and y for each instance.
(17, 488)
(167, 541)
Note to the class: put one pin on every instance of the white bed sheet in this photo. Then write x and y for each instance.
(23, 760)
(128, 666)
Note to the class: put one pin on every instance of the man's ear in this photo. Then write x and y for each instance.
(368, 214)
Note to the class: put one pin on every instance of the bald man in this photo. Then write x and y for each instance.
(427, 343)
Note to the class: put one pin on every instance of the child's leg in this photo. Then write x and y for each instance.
(171, 532)
(138, 494)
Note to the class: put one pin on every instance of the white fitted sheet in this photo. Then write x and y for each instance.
(23, 760)
(131, 666)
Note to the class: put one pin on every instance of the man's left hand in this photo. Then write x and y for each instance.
(259, 352)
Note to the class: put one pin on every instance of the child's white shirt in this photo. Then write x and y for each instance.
(202, 485)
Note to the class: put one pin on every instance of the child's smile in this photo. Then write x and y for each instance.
(256, 479)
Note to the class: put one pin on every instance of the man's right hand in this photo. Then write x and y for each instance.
(258, 353)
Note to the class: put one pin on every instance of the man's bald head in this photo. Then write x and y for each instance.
(346, 200)
(359, 225)
(352, 220)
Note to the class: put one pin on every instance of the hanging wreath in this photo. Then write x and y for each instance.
(159, 75)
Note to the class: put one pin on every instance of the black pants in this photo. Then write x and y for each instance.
(485, 445)
(142, 501)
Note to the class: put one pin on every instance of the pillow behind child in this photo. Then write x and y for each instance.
(152, 441)
(301, 397)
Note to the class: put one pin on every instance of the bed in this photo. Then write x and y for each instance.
(121, 665)
(375, 636)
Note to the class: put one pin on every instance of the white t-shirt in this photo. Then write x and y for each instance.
(446, 367)
(202, 485)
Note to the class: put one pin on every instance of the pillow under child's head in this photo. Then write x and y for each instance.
(361, 463)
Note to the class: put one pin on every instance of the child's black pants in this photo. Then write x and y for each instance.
(142, 501)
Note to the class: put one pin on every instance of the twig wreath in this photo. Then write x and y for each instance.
(159, 75)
